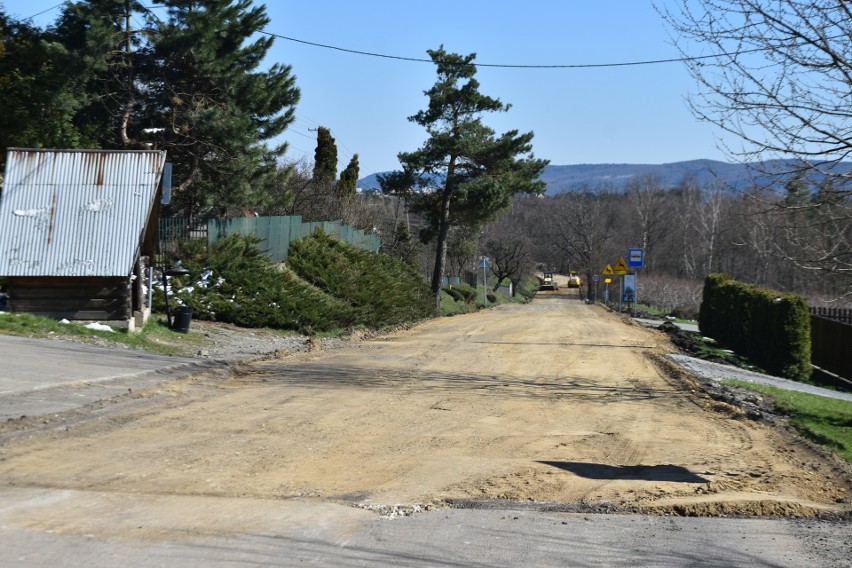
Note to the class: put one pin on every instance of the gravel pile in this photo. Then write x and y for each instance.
(219, 341)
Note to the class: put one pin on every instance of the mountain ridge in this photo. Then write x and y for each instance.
(615, 177)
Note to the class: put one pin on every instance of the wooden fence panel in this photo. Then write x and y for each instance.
(831, 346)
(837, 314)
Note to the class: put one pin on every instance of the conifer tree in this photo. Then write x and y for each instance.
(41, 89)
(348, 184)
(470, 173)
(103, 38)
(216, 107)
(325, 157)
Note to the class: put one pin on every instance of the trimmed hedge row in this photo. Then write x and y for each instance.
(772, 329)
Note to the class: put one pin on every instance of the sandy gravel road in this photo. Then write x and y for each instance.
(556, 402)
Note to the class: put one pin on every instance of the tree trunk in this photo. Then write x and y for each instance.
(441, 250)
(130, 101)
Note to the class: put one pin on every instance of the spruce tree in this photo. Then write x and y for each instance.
(216, 107)
(41, 89)
(464, 174)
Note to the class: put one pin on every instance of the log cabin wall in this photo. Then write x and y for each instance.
(71, 298)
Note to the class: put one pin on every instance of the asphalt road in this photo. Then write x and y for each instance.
(451, 537)
(40, 377)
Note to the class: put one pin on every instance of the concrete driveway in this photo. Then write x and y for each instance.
(40, 376)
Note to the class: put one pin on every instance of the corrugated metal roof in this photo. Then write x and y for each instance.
(75, 212)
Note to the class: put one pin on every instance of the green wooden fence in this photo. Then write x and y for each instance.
(275, 233)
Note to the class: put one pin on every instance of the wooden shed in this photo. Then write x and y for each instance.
(77, 230)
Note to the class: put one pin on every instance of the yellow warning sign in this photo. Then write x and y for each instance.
(620, 266)
(607, 280)
(608, 270)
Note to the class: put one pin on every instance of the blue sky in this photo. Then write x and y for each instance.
(623, 114)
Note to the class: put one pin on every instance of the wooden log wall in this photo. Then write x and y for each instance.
(71, 298)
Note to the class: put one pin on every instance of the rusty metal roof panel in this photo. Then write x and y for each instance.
(75, 212)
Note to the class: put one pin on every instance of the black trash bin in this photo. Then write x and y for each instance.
(183, 315)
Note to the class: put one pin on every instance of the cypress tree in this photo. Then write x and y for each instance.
(348, 184)
(325, 157)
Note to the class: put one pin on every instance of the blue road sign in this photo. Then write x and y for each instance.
(635, 257)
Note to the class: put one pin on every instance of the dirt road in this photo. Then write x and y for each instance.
(556, 402)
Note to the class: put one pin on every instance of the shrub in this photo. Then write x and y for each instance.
(463, 291)
(380, 289)
(770, 328)
(235, 282)
(451, 306)
(676, 296)
(527, 288)
(454, 294)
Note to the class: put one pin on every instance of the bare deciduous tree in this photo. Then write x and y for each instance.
(508, 245)
(777, 74)
(648, 198)
(583, 224)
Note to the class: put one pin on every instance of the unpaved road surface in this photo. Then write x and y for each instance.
(556, 404)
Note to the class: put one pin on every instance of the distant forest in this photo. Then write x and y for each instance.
(617, 177)
(692, 219)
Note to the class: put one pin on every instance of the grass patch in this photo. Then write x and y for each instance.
(155, 336)
(712, 352)
(826, 421)
(450, 306)
(661, 313)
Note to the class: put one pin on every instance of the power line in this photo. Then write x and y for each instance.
(493, 65)
(514, 66)
(44, 11)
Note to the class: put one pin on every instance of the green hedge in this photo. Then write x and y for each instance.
(381, 290)
(771, 328)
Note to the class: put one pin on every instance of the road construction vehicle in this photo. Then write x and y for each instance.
(548, 282)
(574, 280)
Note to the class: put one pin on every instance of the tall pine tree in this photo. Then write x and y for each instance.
(469, 172)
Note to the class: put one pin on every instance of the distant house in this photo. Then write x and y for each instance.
(77, 231)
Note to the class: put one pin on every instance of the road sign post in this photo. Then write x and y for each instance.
(635, 259)
(484, 263)
(607, 272)
(629, 290)
(596, 278)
